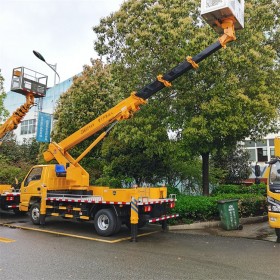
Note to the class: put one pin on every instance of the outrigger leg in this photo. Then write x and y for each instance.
(164, 226)
(134, 219)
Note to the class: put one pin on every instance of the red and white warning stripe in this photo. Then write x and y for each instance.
(97, 200)
(78, 199)
(10, 194)
(166, 217)
(13, 206)
(156, 201)
(114, 202)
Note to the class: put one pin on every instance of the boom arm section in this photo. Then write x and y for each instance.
(190, 63)
(12, 122)
(127, 107)
(121, 111)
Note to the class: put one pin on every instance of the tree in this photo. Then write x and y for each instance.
(184, 170)
(3, 111)
(243, 101)
(235, 92)
(234, 163)
(16, 160)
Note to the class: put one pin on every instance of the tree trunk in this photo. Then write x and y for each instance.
(205, 173)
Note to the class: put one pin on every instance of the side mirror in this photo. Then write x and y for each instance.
(257, 170)
(26, 182)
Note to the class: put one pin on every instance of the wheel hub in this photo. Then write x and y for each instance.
(103, 222)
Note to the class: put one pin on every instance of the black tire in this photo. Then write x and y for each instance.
(277, 231)
(35, 214)
(118, 225)
(105, 222)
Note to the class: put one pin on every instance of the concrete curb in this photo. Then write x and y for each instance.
(211, 224)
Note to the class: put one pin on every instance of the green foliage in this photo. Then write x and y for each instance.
(16, 160)
(8, 172)
(258, 189)
(196, 208)
(3, 111)
(107, 180)
(173, 190)
(233, 162)
(233, 95)
(184, 170)
(253, 206)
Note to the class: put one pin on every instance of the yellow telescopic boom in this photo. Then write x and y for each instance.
(13, 121)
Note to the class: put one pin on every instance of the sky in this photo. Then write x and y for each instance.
(60, 30)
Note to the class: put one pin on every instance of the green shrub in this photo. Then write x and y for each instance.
(252, 206)
(196, 208)
(240, 189)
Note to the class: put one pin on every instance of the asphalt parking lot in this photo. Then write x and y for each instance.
(253, 229)
(64, 249)
(71, 228)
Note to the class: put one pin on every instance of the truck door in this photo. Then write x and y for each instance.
(30, 187)
(274, 178)
(273, 197)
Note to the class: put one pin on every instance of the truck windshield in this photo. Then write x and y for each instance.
(274, 178)
(35, 174)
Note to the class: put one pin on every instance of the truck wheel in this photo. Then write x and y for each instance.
(118, 225)
(35, 214)
(105, 222)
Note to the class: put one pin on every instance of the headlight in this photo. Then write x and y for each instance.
(275, 208)
(273, 205)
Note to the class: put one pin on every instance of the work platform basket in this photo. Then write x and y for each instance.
(214, 11)
(25, 81)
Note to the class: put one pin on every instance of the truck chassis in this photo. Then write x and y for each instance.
(107, 216)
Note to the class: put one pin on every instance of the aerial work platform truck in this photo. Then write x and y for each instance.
(63, 189)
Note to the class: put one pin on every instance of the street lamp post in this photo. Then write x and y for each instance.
(53, 67)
